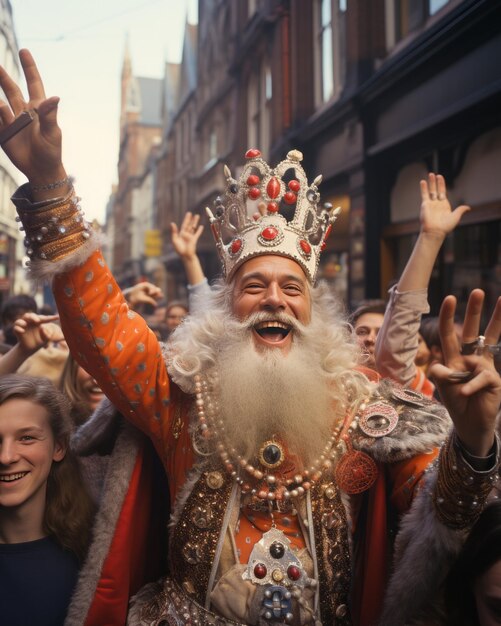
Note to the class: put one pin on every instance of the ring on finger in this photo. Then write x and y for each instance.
(433, 195)
(478, 347)
(460, 377)
(22, 120)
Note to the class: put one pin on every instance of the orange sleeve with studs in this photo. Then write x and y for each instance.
(115, 345)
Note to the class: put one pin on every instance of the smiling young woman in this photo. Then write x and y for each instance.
(45, 513)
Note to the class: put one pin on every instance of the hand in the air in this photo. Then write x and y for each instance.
(473, 402)
(32, 333)
(437, 217)
(36, 149)
(185, 239)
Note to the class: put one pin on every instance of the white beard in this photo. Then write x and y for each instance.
(268, 393)
(299, 396)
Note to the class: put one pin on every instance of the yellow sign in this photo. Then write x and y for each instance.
(152, 243)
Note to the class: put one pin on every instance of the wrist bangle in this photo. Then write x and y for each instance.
(54, 185)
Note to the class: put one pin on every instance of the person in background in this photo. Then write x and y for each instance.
(45, 511)
(267, 416)
(397, 342)
(367, 320)
(81, 389)
(40, 348)
(12, 309)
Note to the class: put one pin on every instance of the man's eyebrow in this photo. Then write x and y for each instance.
(261, 276)
(29, 429)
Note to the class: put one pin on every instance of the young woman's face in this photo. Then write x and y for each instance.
(88, 389)
(488, 596)
(27, 451)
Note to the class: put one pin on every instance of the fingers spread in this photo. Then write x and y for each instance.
(471, 325)
(33, 79)
(6, 115)
(47, 113)
(448, 337)
(493, 330)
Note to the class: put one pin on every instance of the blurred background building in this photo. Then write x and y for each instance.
(12, 275)
(375, 94)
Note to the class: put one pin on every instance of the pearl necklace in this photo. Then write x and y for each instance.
(263, 484)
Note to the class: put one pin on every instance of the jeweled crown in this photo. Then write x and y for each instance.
(271, 211)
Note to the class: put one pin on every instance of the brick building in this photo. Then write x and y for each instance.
(374, 94)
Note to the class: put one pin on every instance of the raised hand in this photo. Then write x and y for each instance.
(469, 384)
(36, 149)
(142, 293)
(437, 217)
(32, 334)
(185, 239)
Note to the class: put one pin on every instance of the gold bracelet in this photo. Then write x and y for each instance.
(55, 230)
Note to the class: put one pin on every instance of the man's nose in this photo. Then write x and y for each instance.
(273, 297)
(371, 337)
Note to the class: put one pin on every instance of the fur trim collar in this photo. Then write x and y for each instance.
(423, 424)
(116, 485)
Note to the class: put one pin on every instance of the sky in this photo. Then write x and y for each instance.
(79, 49)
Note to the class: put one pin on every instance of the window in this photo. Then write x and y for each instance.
(412, 14)
(259, 107)
(330, 48)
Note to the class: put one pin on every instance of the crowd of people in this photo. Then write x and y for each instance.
(256, 456)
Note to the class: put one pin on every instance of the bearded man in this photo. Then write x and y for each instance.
(289, 468)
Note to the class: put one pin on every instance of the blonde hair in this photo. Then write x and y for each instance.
(69, 509)
(80, 409)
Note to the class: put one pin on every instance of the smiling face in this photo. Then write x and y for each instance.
(366, 328)
(88, 389)
(273, 285)
(27, 451)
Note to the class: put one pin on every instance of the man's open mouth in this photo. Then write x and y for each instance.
(273, 331)
(9, 478)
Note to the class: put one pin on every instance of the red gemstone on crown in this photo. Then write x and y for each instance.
(252, 153)
(260, 570)
(293, 572)
(273, 187)
(254, 193)
(236, 244)
(305, 246)
(272, 207)
(253, 180)
(269, 233)
(294, 185)
(290, 197)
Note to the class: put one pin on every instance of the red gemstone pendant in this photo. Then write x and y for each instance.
(294, 185)
(290, 197)
(252, 180)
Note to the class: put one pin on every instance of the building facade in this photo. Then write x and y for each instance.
(375, 94)
(12, 252)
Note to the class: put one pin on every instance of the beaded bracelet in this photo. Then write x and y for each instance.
(54, 231)
(460, 492)
(54, 185)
